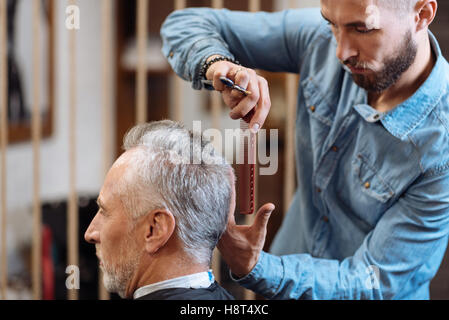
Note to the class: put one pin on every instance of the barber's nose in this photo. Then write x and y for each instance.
(345, 50)
(92, 234)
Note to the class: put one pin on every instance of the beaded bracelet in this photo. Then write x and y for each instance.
(207, 65)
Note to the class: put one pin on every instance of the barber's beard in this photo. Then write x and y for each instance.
(117, 276)
(393, 67)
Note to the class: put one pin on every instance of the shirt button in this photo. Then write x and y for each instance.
(325, 219)
(367, 185)
(312, 108)
(318, 190)
(334, 149)
(171, 54)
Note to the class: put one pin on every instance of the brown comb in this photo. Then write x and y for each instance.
(246, 171)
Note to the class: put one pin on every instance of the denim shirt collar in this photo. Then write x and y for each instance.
(408, 115)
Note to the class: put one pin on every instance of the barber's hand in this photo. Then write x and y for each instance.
(253, 108)
(240, 245)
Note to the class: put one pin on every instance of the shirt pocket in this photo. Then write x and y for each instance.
(317, 104)
(364, 194)
(369, 180)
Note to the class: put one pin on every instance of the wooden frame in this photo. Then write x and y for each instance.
(20, 132)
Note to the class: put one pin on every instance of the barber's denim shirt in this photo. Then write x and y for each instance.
(370, 217)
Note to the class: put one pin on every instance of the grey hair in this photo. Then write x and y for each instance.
(198, 195)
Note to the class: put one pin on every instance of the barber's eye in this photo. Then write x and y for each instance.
(363, 30)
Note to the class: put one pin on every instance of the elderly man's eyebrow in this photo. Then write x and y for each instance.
(357, 24)
(99, 203)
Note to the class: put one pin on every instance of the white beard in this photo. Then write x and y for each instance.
(114, 283)
(116, 279)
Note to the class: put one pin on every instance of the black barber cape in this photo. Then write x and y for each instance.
(214, 292)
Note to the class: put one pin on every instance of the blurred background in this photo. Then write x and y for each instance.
(105, 101)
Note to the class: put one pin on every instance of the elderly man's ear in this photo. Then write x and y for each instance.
(159, 227)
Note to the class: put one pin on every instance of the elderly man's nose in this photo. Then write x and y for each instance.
(92, 235)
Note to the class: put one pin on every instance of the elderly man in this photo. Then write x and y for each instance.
(160, 217)
(370, 217)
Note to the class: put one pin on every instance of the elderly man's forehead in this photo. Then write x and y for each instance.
(117, 174)
(121, 161)
(123, 169)
(128, 156)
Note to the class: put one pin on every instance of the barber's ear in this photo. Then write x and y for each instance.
(159, 227)
(426, 11)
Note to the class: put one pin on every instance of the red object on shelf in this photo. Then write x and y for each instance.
(48, 274)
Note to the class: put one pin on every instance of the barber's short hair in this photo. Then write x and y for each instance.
(403, 6)
(168, 171)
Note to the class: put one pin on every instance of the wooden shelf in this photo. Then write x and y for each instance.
(21, 132)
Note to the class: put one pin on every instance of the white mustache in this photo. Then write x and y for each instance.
(97, 252)
(358, 65)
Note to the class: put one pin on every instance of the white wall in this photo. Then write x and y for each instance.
(54, 167)
(54, 151)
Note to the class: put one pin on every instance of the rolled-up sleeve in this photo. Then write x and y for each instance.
(269, 41)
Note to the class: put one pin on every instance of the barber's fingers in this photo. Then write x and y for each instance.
(250, 101)
(229, 98)
(217, 70)
(260, 221)
(223, 69)
(262, 216)
(241, 78)
(254, 107)
(263, 106)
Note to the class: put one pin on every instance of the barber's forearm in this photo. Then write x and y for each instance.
(256, 40)
(302, 276)
(190, 37)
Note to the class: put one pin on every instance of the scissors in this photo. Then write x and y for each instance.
(230, 84)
